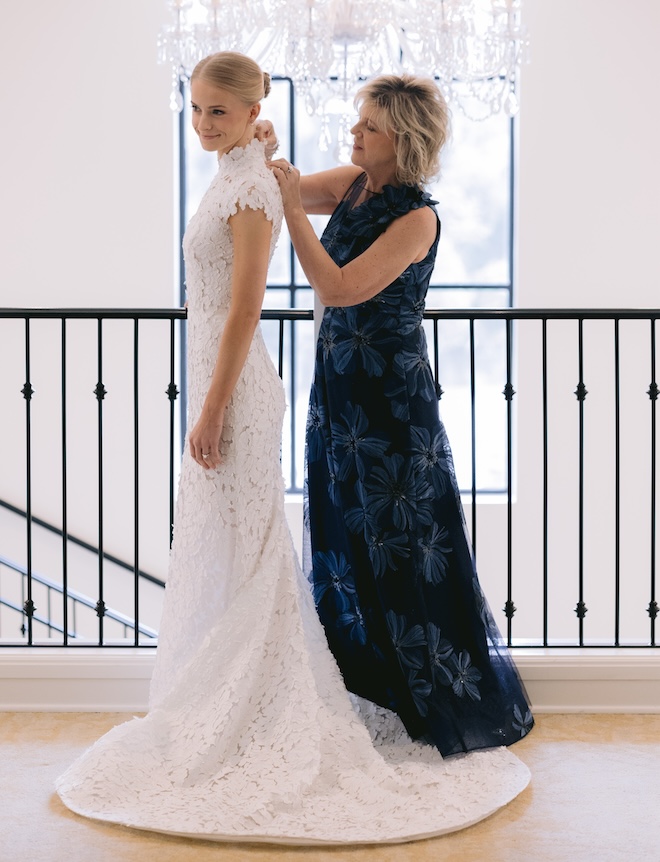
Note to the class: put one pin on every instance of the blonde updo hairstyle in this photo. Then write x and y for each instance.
(414, 110)
(236, 73)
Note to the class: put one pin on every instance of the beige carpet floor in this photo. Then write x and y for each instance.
(594, 797)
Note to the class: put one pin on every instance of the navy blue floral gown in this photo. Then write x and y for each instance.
(388, 554)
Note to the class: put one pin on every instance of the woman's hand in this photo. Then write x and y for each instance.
(204, 441)
(264, 132)
(288, 179)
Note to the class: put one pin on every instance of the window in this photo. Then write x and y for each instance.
(474, 269)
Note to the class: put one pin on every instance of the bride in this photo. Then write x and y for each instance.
(251, 734)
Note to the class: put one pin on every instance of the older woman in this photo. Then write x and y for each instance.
(390, 564)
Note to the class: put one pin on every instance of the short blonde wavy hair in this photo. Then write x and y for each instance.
(414, 110)
(236, 73)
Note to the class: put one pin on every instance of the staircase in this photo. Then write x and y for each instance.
(75, 596)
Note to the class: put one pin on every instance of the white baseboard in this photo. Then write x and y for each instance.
(584, 680)
(75, 679)
(117, 680)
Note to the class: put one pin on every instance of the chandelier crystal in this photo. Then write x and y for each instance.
(328, 47)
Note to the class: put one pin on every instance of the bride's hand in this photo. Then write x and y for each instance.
(288, 178)
(204, 441)
(264, 131)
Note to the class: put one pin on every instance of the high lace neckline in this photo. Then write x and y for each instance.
(254, 148)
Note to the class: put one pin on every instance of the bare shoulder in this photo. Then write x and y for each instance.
(340, 179)
(321, 192)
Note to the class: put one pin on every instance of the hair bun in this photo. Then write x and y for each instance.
(266, 84)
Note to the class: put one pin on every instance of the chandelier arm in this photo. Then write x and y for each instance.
(474, 48)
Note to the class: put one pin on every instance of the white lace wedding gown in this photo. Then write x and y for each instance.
(251, 734)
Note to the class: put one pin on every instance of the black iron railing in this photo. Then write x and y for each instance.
(54, 594)
(557, 406)
(16, 580)
(136, 318)
(644, 495)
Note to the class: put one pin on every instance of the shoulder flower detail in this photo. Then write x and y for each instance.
(382, 209)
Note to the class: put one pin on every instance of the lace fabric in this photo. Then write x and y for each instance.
(251, 734)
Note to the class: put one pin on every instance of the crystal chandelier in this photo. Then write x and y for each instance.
(327, 47)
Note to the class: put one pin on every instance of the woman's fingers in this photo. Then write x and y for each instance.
(288, 179)
(204, 442)
(283, 170)
(264, 132)
(211, 460)
(262, 129)
(205, 453)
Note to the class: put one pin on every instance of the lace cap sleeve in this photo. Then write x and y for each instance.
(259, 193)
(248, 182)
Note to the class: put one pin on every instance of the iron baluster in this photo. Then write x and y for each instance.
(65, 560)
(136, 480)
(509, 392)
(28, 391)
(617, 488)
(581, 394)
(172, 393)
(544, 351)
(100, 392)
(653, 395)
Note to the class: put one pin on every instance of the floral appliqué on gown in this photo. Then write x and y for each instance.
(251, 734)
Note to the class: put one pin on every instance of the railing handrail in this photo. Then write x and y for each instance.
(308, 314)
(82, 543)
(542, 313)
(37, 618)
(287, 314)
(96, 313)
(78, 597)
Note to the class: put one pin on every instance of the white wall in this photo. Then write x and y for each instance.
(588, 221)
(86, 155)
(87, 218)
(589, 175)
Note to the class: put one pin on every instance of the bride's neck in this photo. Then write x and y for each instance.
(243, 141)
